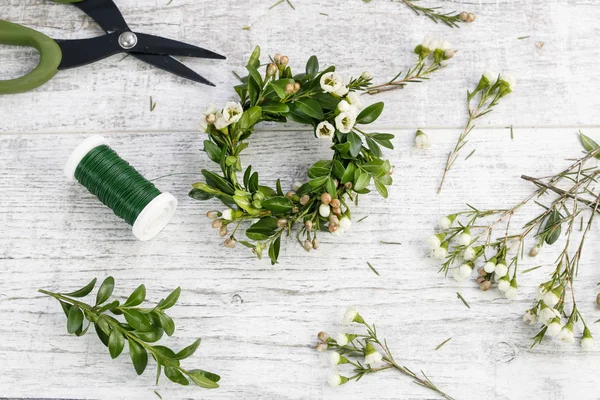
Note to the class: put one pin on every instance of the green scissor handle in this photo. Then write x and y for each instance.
(50, 57)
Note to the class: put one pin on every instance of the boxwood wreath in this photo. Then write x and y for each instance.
(318, 98)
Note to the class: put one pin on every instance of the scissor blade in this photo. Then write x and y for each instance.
(171, 65)
(150, 44)
(76, 53)
(105, 13)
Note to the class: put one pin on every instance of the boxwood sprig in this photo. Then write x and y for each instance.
(143, 326)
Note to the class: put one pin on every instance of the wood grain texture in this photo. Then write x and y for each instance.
(258, 322)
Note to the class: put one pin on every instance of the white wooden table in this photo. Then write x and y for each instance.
(258, 322)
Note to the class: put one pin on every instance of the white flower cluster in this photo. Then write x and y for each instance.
(221, 119)
(442, 49)
(332, 209)
(548, 315)
(491, 76)
(347, 109)
(495, 266)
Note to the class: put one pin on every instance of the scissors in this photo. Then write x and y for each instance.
(56, 55)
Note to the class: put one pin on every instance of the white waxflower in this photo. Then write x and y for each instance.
(426, 41)
(372, 356)
(457, 275)
(490, 75)
(469, 254)
(509, 80)
(353, 111)
(331, 82)
(503, 285)
(446, 222)
(342, 339)
(554, 328)
(352, 315)
(501, 269)
(324, 210)
(587, 342)
(529, 318)
(512, 291)
(566, 334)
(489, 267)
(336, 380)
(221, 123)
(434, 241)
(335, 358)
(211, 109)
(227, 214)
(440, 253)
(422, 140)
(202, 124)
(540, 292)
(366, 75)
(345, 223)
(354, 99)
(325, 130)
(465, 270)
(232, 112)
(343, 106)
(547, 315)
(552, 298)
(446, 45)
(464, 239)
(342, 91)
(345, 121)
(434, 44)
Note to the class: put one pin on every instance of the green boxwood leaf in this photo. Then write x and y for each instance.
(349, 173)
(318, 182)
(337, 169)
(250, 117)
(370, 114)
(139, 356)
(374, 147)
(218, 182)
(206, 380)
(355, 144)
(151, 336)
(279, 86)
(84, 291)
(381, 189)
(362, 181)
(201, 195)
(312, 66)
(176, 376)
(137, 297)
(213, 151)
(330, 187)
(275, 107)
(310, 107)
(105, 290)
(553, 227)
(170, 300)
(101, 334)
(278, 205)
(588, 144)
(116, 342)
(137, 320)
(75, 319)
(320, 168)
(274, 250)
(188, 351)
(167, 323)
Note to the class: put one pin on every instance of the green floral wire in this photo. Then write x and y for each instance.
(116, 183)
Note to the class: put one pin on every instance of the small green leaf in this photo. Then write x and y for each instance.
(355, 144)
(176, 376)
(75, 319)
(381, 189)
(330, 187)
(278, 205)
(137, 297)
(167, 323)
(349, 173)
(105, 290)
(213, 151)
(139, 356)
(370, 114)
(188, 351)
(279, 86)
(84, 291)
(588, 144)
(137, 320)
(116, 342)
(312, 66)
(337, 168)
(553, 227)
(274, 250)
(204, 379)
(374, 147)
(151, 336)
(275, 107)
(65, 307)
(362, 181)
(171, 299)
(218, 182)
(101, 334)
(310, 107)
(318, 182)
(250, 117)
(199, 194)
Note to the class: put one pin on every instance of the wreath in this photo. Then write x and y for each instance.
(335, 111)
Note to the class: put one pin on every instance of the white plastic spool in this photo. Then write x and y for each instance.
(153, 218)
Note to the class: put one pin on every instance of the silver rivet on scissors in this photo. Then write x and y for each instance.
(128, 40)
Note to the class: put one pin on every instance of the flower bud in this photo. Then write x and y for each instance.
(304, 199)
(217, 223)
(332, 228)
(323, 336)
(485, 286)
(308, 245)
(448, 54)
(284, 60)
(326, 198)
(308, 225)
(289, 88)
(481, 279)
(366, 75)
(336, 183)
(321, 347)
(229, 242)
(295, 210)
(535, 251)
(471, 17)
(337, 211)
(335, 203)
(272, 69)
(481, 271)
(277, 58)
(598, 300)
(348, 185)
(212, 214)
(324, 210)
(290, 195)
(464, 16)
(282, 223)
(297, 87)
(211, 119)
(315, 244)
(334, 220)
(223, 231)
(422, 140)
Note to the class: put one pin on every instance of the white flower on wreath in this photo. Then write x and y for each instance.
(232, 112)
(210, 110)
(354, 99)
(331, 82)
(345, 223)
(345, 121)
(325, 130)
(342, 91)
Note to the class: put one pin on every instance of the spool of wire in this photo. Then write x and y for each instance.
(120, 187)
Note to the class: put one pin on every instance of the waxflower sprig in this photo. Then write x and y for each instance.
(432, 53)
(142, 326)
(491, 88)
(465, 240)
(317, 97)
(450, 19)
(365, 354)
